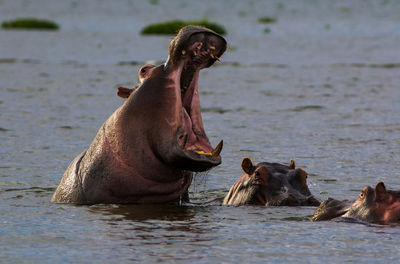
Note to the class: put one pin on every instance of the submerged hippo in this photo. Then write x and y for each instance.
(373, 205)
(143, 74)
(270, 184)
(148, 148)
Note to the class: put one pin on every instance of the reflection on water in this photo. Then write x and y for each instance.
(169, 212)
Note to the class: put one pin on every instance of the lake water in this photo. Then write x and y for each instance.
(322, 87)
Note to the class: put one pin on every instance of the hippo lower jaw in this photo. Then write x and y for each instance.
(193, 150)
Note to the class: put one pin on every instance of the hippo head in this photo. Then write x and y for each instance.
(372, 205)
(270, 184)
(166, 105)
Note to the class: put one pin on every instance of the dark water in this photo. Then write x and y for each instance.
(322, 87)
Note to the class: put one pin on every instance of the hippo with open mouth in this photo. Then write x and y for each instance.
(270, 184)
(148, 148)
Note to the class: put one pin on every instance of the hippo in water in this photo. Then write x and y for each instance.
(148, 148)
(270, 184)
(143, 74)
(372, 205)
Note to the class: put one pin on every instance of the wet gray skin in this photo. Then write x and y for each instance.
(148, 148)
(372, 205)
(270, 184)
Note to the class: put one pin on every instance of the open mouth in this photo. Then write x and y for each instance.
(200, 54)
(201, 51)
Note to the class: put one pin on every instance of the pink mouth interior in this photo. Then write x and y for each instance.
(193, 125)
(198, 55)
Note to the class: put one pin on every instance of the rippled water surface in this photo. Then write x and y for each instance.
(321, 88)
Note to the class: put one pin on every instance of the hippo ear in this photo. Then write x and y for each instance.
(292, 165)
(125, 92)
(380, 191)
(301, 176)
(247, 165)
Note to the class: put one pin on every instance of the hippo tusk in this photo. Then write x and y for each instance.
(183, 52)
(215, 57)
(212, 47)
(217, 149)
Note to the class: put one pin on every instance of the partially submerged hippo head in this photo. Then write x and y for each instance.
(270, 184)
(148, 148)
(372, 205)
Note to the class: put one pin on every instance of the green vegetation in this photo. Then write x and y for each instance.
(267, 30)
(172, 27)
(267, 20)
(30, 23)
(280, 6)
(345, 10)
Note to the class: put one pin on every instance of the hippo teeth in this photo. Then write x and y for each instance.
(214, 153)
(217, 149)
(214, 57)
(200, 152)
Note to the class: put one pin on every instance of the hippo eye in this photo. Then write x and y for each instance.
(143, 70)
(362, 195)
(257, 173)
